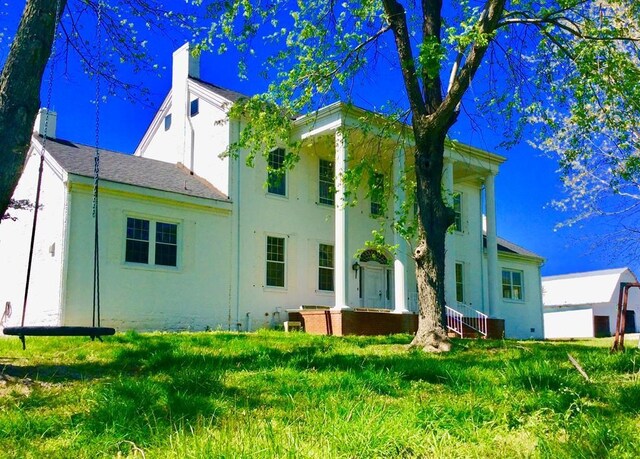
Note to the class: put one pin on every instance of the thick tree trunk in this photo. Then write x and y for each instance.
(434, 220)
(20, 90)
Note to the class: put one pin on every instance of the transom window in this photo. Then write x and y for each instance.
(325, 267)
(457, 208)
(276, 173)
(150, 240)
(326, 184)
(512, 288)
(275, 261)
(460, 282)
(377, 194)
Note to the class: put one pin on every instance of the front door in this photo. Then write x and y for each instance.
(374, 288)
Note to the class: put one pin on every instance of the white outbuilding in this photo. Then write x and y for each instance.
(584, 305)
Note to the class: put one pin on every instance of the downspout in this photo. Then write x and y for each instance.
(482, 286)
(238, 226)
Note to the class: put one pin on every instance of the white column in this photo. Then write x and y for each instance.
(450, 258)
(341, 267)
(400, 261)
(493, 279)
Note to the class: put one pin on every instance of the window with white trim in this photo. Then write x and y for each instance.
(325, 267)
(151, 242)
(460, 282)
(167, 122)
(276, 173)
(457, 209)
(275, 261)
(326, 182)
(512, 284)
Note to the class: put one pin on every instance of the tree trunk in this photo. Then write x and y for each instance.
(20, 90)
(435, 218)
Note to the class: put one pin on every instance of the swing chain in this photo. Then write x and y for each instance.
(56, 23)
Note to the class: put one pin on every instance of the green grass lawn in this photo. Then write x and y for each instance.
(271, 394)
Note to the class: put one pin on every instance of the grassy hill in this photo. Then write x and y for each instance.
(271, 394)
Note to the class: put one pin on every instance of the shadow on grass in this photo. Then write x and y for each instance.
(150, 382)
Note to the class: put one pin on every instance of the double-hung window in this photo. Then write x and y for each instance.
(275, 261)
(512, 285)
(457, 209)
(151, 242)
(325, 267)
(276, 173)
(377, 194)
(460, 282)
(326, 184)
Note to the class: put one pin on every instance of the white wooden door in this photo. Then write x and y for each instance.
(374, 289)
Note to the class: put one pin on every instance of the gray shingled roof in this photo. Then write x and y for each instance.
(509, 247)
(132, 170)
(226, 93)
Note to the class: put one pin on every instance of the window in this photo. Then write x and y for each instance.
(194, 109)
(167, 122)
(166, 244)
(457, 208)
(377, 194)
(275, 261)
(460, 282)
(512, 288)
(276, 174)
(137, 250)
(325, 267)
(326, 183)
(147, 240)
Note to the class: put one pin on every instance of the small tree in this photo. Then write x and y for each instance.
(592, 126)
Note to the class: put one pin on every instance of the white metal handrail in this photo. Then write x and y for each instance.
(461, 314)
(473, 318)
(455, 321)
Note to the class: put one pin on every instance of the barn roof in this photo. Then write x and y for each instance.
(587, 288)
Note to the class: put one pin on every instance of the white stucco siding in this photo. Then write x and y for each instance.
(209, 131)
(196, 141)
(523, 319)
(467, 245)
(568, 322)
(43, 307)
(194, 295)
(304, 223)
(159, 142)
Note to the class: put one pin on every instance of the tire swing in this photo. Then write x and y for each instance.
(95, 330)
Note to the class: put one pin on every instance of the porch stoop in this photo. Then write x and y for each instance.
(326, 321)
(354, 322)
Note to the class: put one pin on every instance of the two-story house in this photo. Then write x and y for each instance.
(191, 238)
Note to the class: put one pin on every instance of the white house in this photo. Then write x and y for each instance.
(190, 239)
(584, 305)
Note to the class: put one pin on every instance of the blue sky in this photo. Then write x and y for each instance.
(527, 182)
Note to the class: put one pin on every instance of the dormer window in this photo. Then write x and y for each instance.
(167, 122)
(195, 107)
